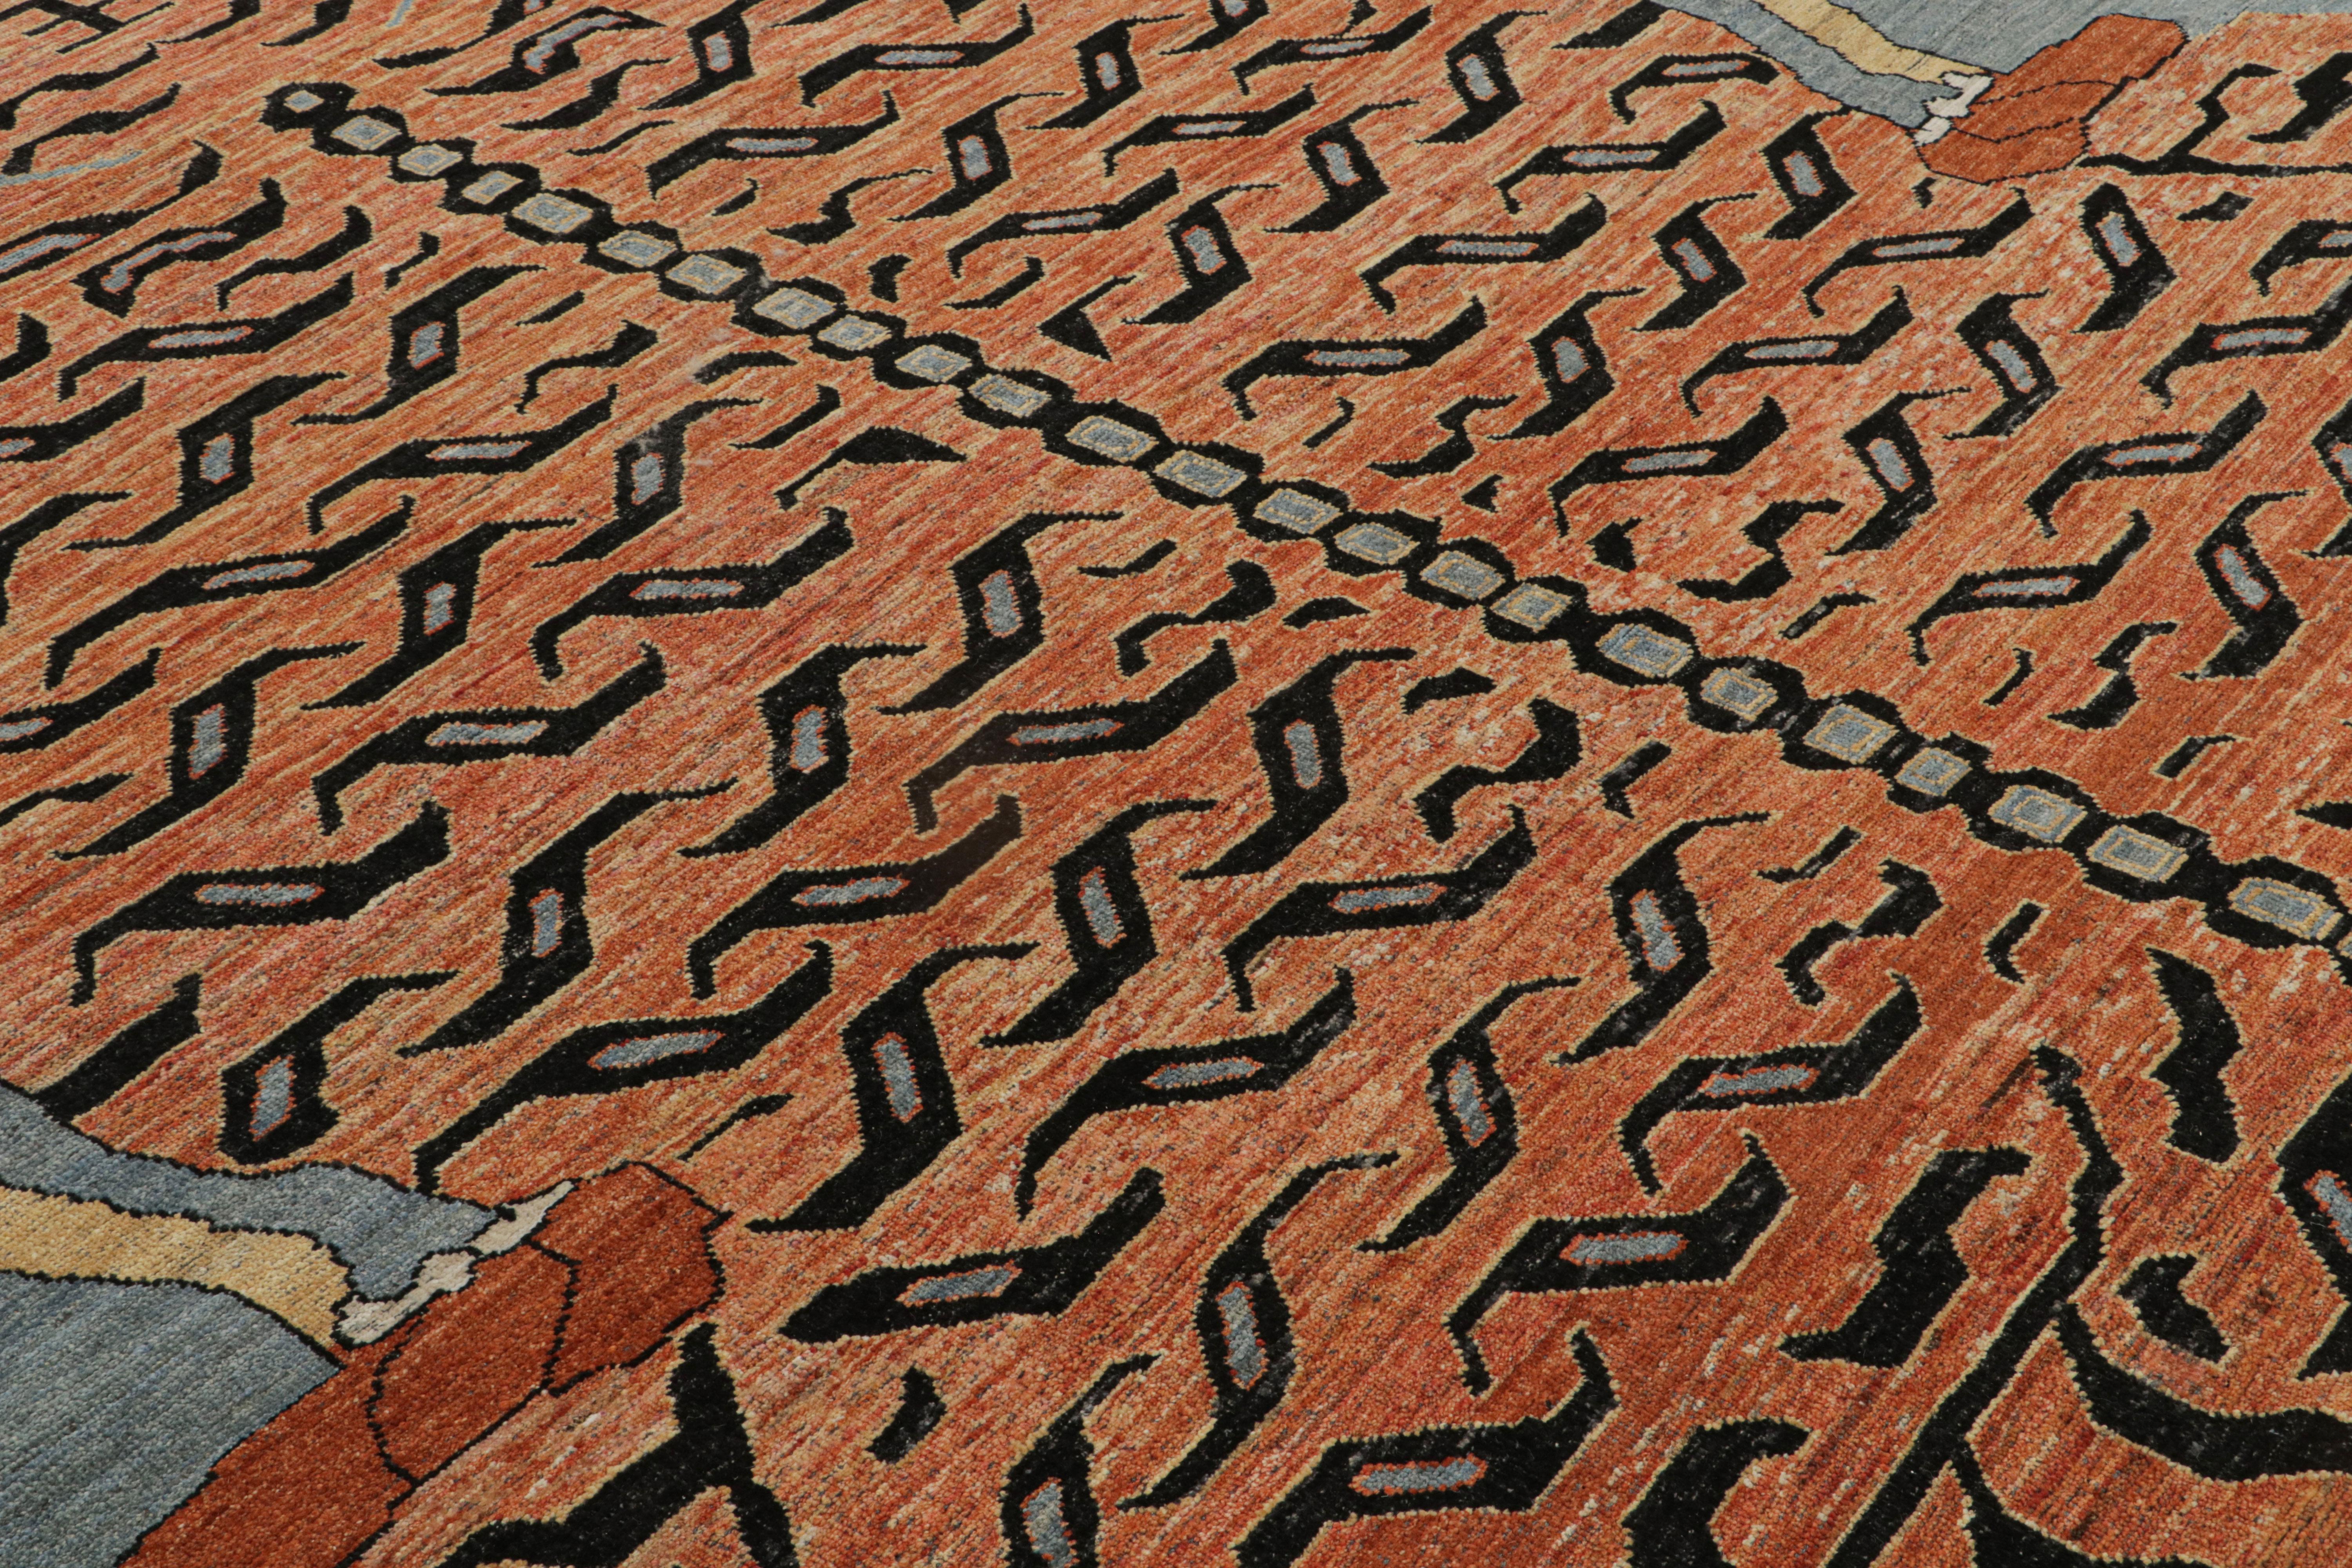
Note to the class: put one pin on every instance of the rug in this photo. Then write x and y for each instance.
(1264, 781)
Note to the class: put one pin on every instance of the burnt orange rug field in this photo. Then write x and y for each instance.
(965, 783)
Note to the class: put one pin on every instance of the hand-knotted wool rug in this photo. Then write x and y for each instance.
(1251, 782)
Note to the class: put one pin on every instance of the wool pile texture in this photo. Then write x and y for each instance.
(971, 783)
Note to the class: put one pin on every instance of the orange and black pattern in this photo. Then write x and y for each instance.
(1268, 785)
